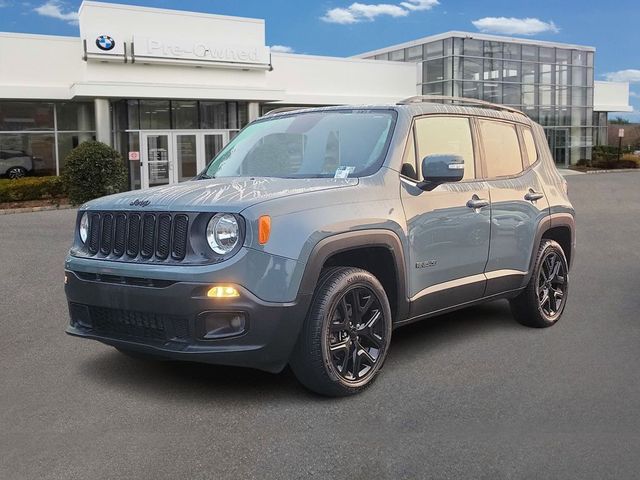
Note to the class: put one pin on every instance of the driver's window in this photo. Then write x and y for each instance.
(445, 135)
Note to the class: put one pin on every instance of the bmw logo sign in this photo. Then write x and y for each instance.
(105, 42)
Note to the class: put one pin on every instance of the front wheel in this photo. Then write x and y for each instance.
(346, 335)
(542, 302)
(16, 172)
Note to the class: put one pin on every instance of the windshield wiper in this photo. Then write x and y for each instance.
(204, 176)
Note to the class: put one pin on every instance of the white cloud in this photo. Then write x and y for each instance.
(514, 26)
(414, 5)
(630, 75)
(281, 49)
(54, 9)
(359, 12)
(634, 94)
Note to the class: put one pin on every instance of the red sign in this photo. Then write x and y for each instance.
(134, 156)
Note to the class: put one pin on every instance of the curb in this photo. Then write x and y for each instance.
(614, 170)
(9, 211)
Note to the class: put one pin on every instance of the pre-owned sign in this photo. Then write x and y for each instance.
(200, 51)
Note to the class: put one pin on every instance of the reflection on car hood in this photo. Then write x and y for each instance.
(219, 194)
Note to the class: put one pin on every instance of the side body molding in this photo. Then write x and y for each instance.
(343, 242)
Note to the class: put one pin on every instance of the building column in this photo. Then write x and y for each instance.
(84, 122)
(103, 120)
(254, 111)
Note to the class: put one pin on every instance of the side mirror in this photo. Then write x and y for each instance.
(441, 168)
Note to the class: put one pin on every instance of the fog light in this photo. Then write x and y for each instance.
(80, 315)
(223, 291)
(214, 325)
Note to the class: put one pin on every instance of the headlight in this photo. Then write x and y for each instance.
(84, 227)
(223, 233)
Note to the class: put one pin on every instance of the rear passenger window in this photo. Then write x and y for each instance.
(445, 135)
(530, 145)
(501, 148)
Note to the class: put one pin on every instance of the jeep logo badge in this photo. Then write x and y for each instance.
(105, 42)
(139, 203)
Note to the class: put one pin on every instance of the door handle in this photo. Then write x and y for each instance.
(532, 195)
(477, 203)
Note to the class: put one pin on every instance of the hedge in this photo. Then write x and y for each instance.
(31, 188)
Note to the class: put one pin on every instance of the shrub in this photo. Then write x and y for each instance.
(31, 188)
(92, 170)
(630, 157)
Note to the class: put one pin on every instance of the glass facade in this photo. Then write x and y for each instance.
(130, 117)
(553, 85)
(43, 132)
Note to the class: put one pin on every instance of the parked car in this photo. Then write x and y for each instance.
(15, 163)
(314, 233)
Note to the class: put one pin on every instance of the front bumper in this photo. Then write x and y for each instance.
(161, 319)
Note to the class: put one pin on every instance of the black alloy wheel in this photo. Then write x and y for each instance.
(551, 284)
(356, 334)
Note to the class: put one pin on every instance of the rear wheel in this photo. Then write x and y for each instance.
(542, 302)
(16, 172)
(346, 335)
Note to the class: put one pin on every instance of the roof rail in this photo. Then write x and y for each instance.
(463, 100)
(282, 110)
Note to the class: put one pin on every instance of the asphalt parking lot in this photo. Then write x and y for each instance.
(471, 394)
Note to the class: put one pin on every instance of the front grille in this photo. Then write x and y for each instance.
(111, 321)
(120, 235)
(132, 236)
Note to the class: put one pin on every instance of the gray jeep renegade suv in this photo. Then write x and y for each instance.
(316, 232)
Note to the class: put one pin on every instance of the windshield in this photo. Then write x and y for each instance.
(338, 143)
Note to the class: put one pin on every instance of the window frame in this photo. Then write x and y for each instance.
(412, 135)
(523, 158)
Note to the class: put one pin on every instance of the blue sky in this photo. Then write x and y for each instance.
(336, 27)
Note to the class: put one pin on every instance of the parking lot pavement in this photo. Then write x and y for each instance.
(471, 394)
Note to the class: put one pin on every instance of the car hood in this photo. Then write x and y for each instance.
(219, 194)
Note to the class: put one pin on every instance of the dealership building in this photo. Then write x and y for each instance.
(169, 89)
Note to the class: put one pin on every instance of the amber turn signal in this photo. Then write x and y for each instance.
(222, 291)
(264, 229)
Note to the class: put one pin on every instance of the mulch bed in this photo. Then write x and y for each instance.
(35, 203)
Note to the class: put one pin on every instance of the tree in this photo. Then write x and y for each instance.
(619, 121)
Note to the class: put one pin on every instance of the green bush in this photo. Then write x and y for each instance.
(31, 188)
(92, 170)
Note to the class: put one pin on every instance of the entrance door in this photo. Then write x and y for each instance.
(177, 156)
(213, 143)
(186, 156)
(155, 160)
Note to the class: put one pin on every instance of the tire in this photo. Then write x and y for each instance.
(16, 172)
(340, 349)
(542, 302)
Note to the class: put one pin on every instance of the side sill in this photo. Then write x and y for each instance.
(497, 296)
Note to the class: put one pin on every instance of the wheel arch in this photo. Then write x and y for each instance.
(378, 251)
(559, 227)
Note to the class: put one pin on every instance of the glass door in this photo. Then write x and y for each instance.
(186, 155)
(213, 143)
(177, 156)
(156, 162)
